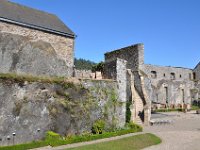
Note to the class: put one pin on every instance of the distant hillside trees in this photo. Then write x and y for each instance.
(83, 64)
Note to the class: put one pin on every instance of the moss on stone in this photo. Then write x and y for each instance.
(14, 78)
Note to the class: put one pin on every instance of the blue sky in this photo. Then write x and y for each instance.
(169, 29)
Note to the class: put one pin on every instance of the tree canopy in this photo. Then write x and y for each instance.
(83, 64)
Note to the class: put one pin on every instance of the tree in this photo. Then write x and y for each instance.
(98, 67)
(82, 64)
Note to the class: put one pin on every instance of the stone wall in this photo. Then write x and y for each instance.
(87, 74)
(162, 72)
(121, 79)
(63, 107)
(24, 50)
(178, 85)
(134, 55)
(169, 86)
(196, 92)
(197, 72)
(83, 73)
(110, 71)
(124, 66)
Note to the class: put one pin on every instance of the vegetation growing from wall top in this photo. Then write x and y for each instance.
(14, 78)
(78, 100)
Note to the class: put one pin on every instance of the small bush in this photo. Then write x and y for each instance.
(134, 127)
(50, 135)
(98, 67)
(54, 139)
(128, 112)
(98, 127)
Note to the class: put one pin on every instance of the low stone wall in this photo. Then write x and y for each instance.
(63, 107)
(87, 74)
(83, 73)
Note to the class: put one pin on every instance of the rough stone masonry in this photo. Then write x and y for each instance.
(37, 43)
(34, 42)
(151, 86)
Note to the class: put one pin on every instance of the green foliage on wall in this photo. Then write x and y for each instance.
(98, 127)
(128, 111)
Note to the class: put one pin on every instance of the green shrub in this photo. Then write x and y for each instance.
(54, 139)
(98, 127)
(98, 67)
(50, 135)
(128, 112)
(134, 127)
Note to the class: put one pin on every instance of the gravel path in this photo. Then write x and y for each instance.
(183, 133)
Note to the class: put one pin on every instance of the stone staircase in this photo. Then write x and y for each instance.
(139, 108)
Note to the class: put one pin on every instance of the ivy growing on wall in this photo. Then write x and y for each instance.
(128, 111)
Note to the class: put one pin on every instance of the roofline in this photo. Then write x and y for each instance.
(197, 65)
(37, 27)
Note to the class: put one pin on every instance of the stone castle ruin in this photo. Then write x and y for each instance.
(37, 43)
(149, 86)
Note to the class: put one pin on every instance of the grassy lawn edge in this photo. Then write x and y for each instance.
(57, 141)
(135, 142)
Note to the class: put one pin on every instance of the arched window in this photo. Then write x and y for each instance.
(194, 75)
(172, 76)
(164, 75)
(153, 74)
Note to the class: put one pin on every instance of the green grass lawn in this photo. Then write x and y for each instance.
(130, 143)
(195, 107)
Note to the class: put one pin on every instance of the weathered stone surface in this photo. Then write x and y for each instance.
(134, 55)
(26, 107)
(82, 74)
(125, 65)
(165, 86)
(20, 55)
(179, 88)
(197, 71)
(25, 50)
